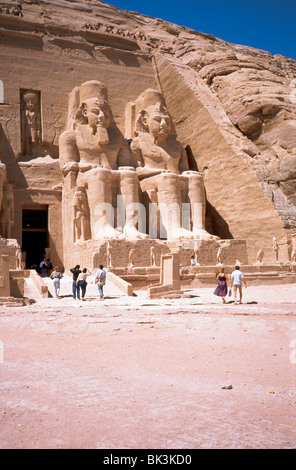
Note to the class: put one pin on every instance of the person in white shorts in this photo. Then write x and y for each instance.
(236, 282)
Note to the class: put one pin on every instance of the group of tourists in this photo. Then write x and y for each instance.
(236, 280)
(79, 281)
(45, 267)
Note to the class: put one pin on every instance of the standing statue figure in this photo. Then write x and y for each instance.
(163, 169)
(293, 254)
(81, 217)
(275, 249)
(196, 246)
(152, 256)
(94, 150)
(109, 256)
(31, 123)
(219, 256)
(132, 257)
(18, 257)
(259, 257)
(7, 214)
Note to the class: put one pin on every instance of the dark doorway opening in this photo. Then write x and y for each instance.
(34, 235)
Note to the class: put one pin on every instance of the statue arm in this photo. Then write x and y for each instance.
(145, 172)
(137, 159)
(142, 170)
(183, 163)
(68, 151)
(124, 155)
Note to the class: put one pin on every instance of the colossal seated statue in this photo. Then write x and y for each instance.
(94, 149)
(163, 170)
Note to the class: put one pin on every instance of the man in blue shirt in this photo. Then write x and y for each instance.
(75, 290)
(101, 281)
(236, 281)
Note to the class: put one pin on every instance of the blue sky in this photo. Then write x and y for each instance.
(264, 24)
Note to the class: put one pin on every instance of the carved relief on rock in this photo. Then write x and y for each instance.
(30, 121)
(81, 230)
(7, 212)
(15, 10)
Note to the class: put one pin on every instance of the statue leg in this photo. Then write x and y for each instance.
(197, 198)
(99, 194)
(135, 215)
(169, 202)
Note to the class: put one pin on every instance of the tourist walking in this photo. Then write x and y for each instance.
(221, 289)
(101, 281)
(75, 271)
(81, 283)
(236, 282)
(43, 267)
(49, 267)
(56, 276)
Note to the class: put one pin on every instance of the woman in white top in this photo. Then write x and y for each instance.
(81, 283)
(56, 276)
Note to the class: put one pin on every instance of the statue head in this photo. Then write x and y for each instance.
(89, 106)
(152, 115)
(30, 99)
(79, 195)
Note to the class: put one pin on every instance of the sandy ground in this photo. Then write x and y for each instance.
(132, 373)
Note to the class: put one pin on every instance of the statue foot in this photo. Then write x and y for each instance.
(180, 234)
(132, 233)
(202, 234)
(109, 232)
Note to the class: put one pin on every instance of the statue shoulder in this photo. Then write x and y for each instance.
(68, 137)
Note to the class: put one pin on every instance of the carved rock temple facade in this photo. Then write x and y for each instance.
(111, 122)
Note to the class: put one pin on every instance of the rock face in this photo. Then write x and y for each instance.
(233, 109)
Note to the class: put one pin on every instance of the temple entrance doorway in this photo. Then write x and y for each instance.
(34, 235)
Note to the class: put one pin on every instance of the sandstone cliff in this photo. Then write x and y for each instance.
(233, 106)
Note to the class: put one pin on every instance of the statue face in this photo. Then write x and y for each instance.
(30, 106)
(97, 112)
(158, 123)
